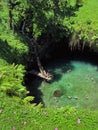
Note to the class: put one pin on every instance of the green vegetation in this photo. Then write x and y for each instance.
(13, 53)
(15, 114)
(49, 22)
(85, 23)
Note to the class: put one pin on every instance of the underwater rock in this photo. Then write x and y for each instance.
(75, 97)
(96, 68)
(92, 78)
(55, 99)
(69, 97)
(69, 70)
(57, 93)
(86, 97)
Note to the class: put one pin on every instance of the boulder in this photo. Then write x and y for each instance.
(57, 93)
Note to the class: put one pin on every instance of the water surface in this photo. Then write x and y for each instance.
(76, 80)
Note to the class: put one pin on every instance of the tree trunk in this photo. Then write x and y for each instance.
(10, 15)
(37, 57)
(42, 73)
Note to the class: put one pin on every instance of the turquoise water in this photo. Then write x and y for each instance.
(76, 80)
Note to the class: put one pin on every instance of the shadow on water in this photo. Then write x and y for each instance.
(63, 69)
(32, 83)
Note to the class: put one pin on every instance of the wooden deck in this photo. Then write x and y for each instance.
(45, 75)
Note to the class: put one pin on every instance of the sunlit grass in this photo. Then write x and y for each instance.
(16, 115)
(88, 12)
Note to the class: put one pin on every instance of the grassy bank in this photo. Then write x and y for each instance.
(17, 114)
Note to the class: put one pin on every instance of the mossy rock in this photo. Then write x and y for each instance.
(57, 93)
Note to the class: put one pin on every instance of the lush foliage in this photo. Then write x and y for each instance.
(76, 18)
(11, 77)
(13, 54)
(51, 19)
(15, 114)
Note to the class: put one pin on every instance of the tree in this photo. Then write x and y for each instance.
(79, 3)
(12, 4)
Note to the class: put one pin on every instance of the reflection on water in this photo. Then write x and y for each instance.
(75, 81)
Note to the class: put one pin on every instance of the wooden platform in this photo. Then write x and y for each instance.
(45, 75)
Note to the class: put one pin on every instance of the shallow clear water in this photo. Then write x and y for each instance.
(77, 82)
